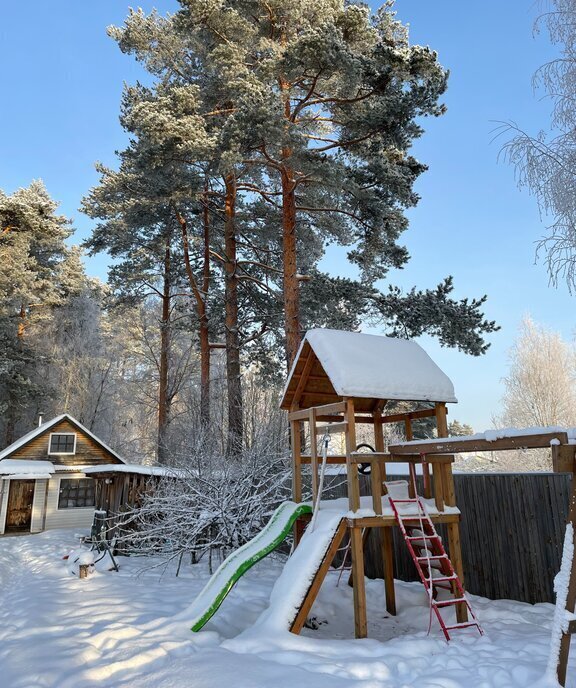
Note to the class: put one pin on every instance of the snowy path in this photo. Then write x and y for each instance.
(115, 629)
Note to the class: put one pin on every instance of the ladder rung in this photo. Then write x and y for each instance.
(446, 603)
(441, 579)
(467, 624)
(404, 501)
(423, 537)
(432, 556)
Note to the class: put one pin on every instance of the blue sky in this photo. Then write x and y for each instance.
(62, 79)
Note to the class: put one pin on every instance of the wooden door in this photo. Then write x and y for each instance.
(19, 512)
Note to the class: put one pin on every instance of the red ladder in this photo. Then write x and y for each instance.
(429, 556)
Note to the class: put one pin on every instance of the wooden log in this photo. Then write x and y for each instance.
(83, 570)
(360, 618)
(388, 564)
(379, 444)
(456, 558)
(352, 472)
(313, 454)
(335, 459)
(296, 440)
(441, 420)
(438, 486)
(571, 596)
(563, 456)
(411, 415)
(335, 407)
(455, 445)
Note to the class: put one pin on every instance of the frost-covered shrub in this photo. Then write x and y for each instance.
(211, 504)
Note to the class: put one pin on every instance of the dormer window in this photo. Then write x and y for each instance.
(62, 443)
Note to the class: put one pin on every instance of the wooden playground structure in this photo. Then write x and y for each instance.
(321, 401)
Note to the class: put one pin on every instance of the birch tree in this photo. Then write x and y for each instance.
(544, 161)
(540, 385)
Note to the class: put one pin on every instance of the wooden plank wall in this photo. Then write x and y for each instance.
(512, 533)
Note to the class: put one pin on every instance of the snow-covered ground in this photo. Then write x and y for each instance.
(117, 629)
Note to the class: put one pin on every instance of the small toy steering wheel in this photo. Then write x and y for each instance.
(365, 468)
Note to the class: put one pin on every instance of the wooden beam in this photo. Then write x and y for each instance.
(336, 459)
(456, 445)
(412, 415)
(388, 564)
(441, 421)
(382, 521)
(333, 407)
(296, 440)
(331, 429)
(360, 618)
(351, 470)
(571, 596)
(318, 579)
(303, 378)
(563, 458)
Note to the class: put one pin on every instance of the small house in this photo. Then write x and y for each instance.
(44, 482)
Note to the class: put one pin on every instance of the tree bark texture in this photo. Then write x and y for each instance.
(163, 394)
(233, 373)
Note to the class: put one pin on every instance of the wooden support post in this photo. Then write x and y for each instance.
(379, 439)
(313, 454)
(360, 620)
(456, 558)
(296, 440)
(571, 597)
(351, 468)
(408, 427)
(388, 562)
(448, 482)
(441, 419)
(438, 486)
(426, 478)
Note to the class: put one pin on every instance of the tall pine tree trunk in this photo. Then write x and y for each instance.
(163, 393)
(204, 333)
(234, 386)
(201, 295)
(290, 270)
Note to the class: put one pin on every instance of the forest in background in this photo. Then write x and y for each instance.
(271, 131)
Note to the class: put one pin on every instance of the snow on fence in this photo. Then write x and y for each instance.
(512, 533)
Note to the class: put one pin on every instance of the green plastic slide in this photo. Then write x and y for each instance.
(233, 567)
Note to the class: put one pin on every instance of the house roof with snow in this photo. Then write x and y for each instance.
(64, 424)
(332, 364)
(138, 469)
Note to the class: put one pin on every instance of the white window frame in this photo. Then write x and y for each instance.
(72, 453)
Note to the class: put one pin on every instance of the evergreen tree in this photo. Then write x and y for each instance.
(35, 277)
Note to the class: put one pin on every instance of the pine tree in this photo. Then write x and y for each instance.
(35, 277)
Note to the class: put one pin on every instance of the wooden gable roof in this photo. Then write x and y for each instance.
(332, 364)
(90, 450)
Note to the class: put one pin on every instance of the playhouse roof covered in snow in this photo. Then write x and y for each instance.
(332, 364)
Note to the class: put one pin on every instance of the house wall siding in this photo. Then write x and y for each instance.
(65, 518)
(38, 505)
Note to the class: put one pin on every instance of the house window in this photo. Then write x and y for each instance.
(76, 493)
(62, 443)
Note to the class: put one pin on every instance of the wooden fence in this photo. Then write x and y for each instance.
(512, 532)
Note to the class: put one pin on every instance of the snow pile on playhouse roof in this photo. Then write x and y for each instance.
(376, 367)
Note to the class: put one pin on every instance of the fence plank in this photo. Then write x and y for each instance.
(512, 532)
